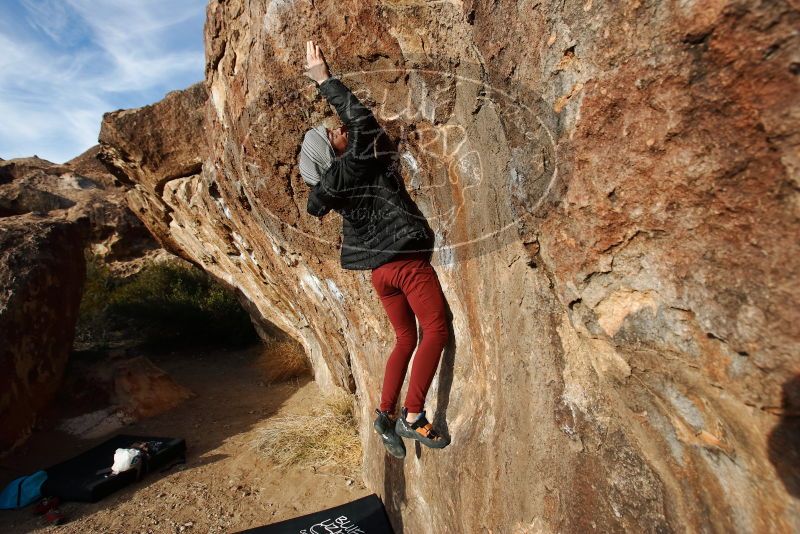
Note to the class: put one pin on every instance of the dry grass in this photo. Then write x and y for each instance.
(284, 359)
(326, 439)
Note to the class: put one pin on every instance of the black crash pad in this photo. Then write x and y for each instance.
(362, 516)
(87, 477)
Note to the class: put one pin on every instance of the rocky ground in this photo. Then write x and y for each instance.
(226, 485)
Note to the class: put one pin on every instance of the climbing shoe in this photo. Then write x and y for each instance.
(420, 430)
(384, 425)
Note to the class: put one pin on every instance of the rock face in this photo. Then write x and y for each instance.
(614, 191)
(42, 271)
(160, 155)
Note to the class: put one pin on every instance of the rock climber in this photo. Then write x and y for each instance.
(382, 233)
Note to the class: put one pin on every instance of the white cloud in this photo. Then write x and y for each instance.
(135, 35)
(53, 18)
(77, 59)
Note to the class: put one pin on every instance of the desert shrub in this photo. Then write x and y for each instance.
(165, 304)
(326, 438)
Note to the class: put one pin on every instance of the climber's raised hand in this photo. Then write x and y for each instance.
(316, 68)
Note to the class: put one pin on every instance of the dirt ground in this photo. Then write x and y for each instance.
(226, 485)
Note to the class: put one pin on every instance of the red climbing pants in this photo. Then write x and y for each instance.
(409, 288)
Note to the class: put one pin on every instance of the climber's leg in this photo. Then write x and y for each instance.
(424, 294)
(405, 328)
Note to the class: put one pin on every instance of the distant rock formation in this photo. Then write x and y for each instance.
(614, 190)
(81, 188)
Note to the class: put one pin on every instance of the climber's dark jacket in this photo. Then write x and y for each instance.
(378, 219)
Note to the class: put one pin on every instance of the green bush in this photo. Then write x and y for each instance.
(164, 305)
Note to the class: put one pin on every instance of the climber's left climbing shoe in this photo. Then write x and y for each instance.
(420, 430)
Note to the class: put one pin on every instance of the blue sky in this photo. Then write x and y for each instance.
(63, 63)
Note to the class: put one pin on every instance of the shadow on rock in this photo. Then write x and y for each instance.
(394, 491)
(446, 369)
(784, 440)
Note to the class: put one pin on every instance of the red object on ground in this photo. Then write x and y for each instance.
(409, 287)
(46, 504)
(54, 517)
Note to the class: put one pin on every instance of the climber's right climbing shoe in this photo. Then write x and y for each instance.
(420, 430)
(384, 425)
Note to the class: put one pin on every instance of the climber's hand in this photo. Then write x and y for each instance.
(316, 68)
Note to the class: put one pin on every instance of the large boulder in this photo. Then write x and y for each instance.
(614, 191)
(49, 215)
(42, 271)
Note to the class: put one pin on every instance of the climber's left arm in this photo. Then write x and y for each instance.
(348, 173)
(356, 165)
(362, 127)
(315, 206)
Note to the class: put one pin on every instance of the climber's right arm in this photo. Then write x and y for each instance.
(348, 173)
(362, 128)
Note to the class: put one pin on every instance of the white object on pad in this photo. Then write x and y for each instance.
(125, 459)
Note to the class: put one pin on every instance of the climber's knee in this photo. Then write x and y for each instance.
(407, 341)
(436, 332)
